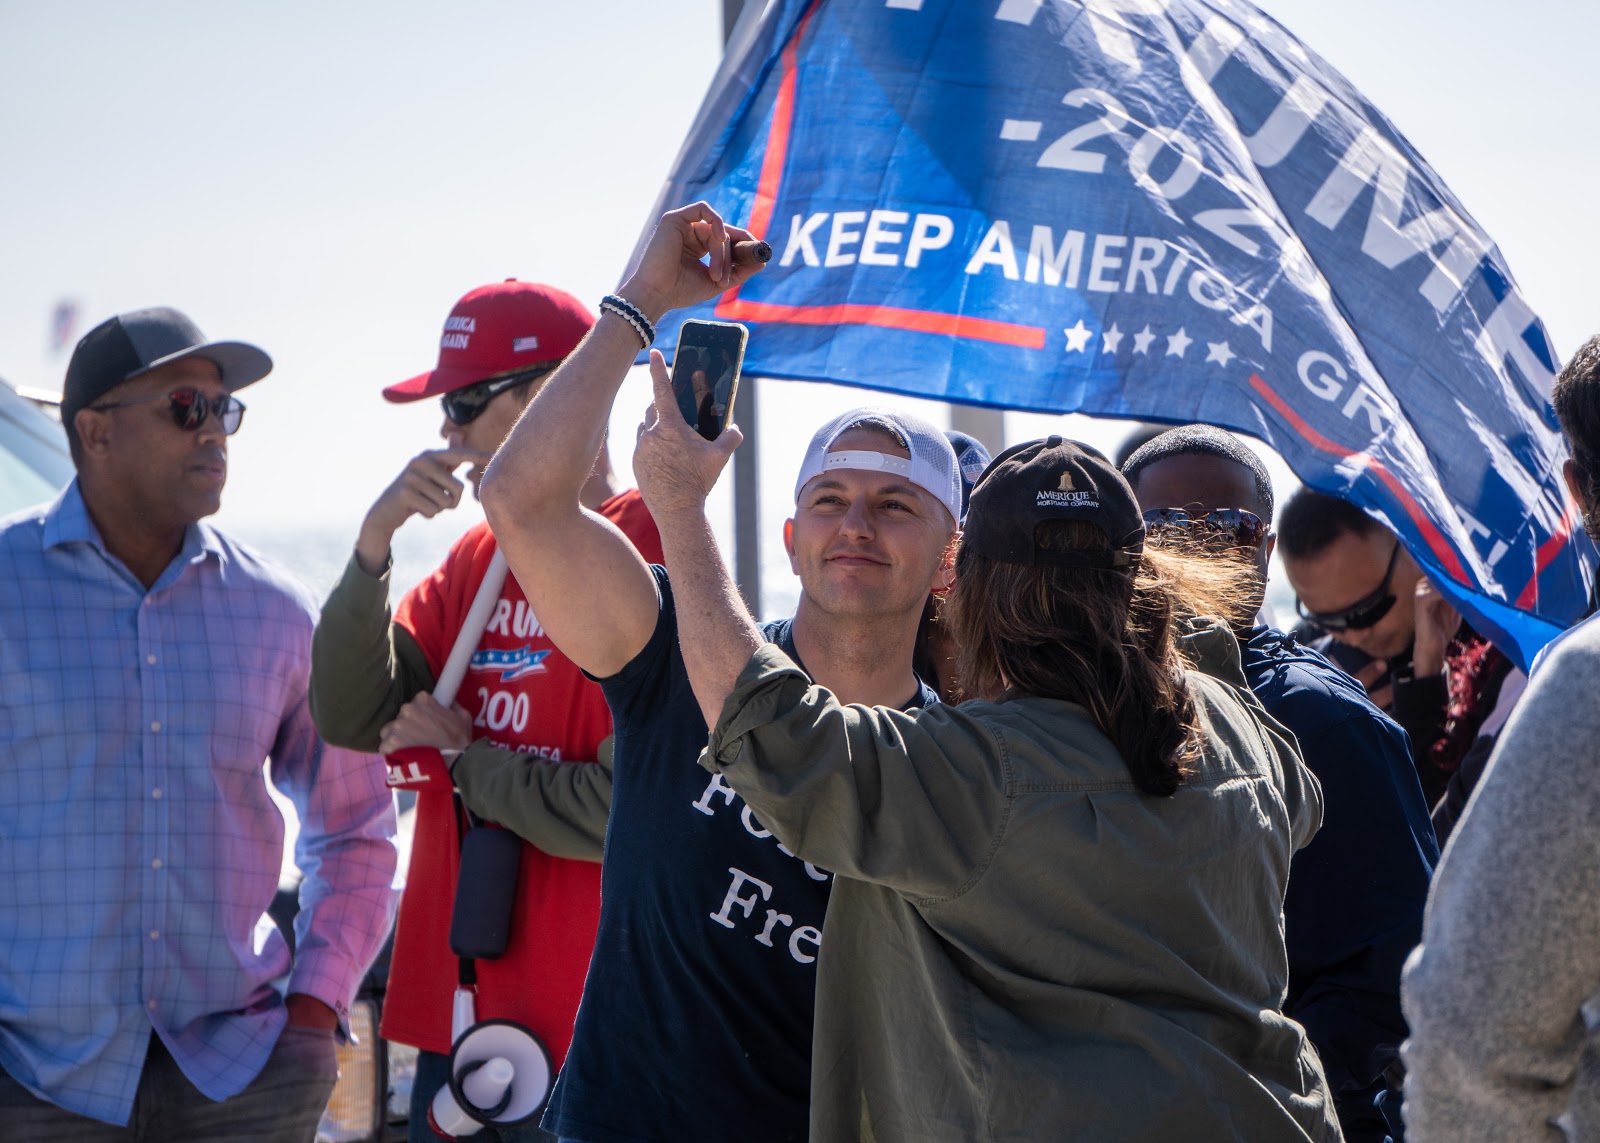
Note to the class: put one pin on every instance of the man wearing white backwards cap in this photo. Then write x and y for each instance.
(709, 929)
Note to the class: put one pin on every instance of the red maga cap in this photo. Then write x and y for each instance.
(497, 329)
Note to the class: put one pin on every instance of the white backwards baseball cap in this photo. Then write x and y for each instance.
(932, 467)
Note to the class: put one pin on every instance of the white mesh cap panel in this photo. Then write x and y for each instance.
(932, 467)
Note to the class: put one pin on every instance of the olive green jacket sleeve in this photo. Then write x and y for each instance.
(561, 807)
(906, 800)
(364, 667)
(918, 801)
(1212, 650)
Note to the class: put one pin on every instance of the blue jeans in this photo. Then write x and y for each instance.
(282, 1104)
(433, 1071)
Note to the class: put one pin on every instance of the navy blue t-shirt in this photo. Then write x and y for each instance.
(696, 1017)
(1353, 909)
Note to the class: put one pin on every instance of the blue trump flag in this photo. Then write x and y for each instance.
(1162, 209)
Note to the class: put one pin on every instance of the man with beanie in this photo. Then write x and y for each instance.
(149, 666)
(524, 713)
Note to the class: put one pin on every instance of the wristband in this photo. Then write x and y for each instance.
(631, 314)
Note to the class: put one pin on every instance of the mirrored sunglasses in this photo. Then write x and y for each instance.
(1365, 612)
(465, 405)
(190, 408)
(1235, 526)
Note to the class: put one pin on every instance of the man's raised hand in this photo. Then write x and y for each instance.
(671, 275)
(426, 486)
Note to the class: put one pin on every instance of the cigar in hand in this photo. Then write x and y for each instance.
(752, 251)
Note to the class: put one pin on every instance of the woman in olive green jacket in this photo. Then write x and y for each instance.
(1058, 907)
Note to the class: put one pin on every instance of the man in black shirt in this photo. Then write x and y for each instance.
(696, 1018)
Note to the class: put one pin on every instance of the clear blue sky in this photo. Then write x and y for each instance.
(326, 178)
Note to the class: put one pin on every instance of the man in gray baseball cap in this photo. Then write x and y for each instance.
(153, 666)
(134, 344)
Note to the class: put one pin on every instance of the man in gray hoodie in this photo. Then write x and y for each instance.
(1501, 1048)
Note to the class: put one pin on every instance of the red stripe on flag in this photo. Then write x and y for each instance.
(1544, 556)
(1431, 535)
(918, 321)
(733, 308)
(778, 137)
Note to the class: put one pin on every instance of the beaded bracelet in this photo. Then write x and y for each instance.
(631, 314)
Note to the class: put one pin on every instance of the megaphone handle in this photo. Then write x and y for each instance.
(463, 1013)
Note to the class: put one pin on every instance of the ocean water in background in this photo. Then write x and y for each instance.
(317, 553)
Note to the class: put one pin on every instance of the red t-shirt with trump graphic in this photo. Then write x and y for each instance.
(525, 695)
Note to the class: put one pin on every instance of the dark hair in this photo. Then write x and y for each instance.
(1105, 638)
(1205, 440)
(927, 659)
(1139, 436)
(1576, 396)
(1312, 521)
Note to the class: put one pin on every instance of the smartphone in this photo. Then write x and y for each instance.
(705, 373)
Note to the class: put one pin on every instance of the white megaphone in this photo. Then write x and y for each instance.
(500, 1075)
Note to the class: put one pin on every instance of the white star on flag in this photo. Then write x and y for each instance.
(1077, 337)
(1112, 337)
(1142, 340)
(1178, 344)
(1220, 352)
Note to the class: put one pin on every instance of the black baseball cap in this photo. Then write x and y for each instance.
(131, 344)
(1052, 479)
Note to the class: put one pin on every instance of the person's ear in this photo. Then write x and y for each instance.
(788, 544)
(1574, 481)
(946, 576)
(1405, 565)
(94, 431)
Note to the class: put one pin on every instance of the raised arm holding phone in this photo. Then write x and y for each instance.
(705, 964)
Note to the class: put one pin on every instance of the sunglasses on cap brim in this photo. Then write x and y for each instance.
(1244, 529)
(191, 408)
(1368, 611)
(464, 405)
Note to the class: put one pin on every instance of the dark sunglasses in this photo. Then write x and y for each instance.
(190, 408)
(465, 405)
(1365, 612)
(1243, 529)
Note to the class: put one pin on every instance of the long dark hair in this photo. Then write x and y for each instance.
(1105, 638)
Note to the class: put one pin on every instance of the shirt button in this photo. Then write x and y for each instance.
(156, 726)
(156, 793)
(155, 863)
(151, 659)
(150, 1004)
(155, 934)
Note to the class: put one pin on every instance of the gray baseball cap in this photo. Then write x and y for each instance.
(131, 344)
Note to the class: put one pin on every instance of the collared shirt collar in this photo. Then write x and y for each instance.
(67, 521)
